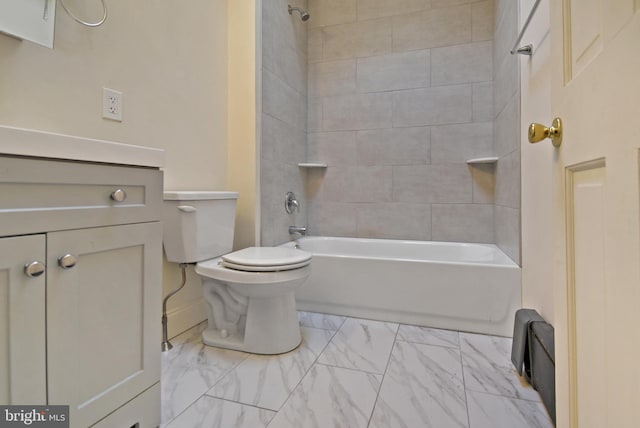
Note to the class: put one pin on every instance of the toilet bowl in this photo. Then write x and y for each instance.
(257, 285)
(250, 292)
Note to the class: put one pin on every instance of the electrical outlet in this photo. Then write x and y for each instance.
(111, 104)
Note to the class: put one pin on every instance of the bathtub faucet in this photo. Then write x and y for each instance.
(297, 231)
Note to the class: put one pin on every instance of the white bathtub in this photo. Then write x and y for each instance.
(467, 287)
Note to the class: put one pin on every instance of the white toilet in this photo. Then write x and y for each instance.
(250, 293)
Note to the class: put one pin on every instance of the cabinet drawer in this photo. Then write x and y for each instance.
(37, 194)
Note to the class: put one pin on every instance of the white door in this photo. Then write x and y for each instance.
(596, 91)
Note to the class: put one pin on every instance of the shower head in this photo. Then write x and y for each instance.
(304, 15)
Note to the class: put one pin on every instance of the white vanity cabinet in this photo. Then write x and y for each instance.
(85, 332)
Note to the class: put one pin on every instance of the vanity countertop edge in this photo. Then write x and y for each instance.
(33, 143)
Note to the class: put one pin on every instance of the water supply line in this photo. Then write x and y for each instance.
(166, 345)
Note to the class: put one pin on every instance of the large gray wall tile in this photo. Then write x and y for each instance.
(484, 183)
(332, 78)
(458, 143)
(432, 184)
(359, 39)
(507, 82)
(281, 29)
(369, 9)
(394, 221)
(331, 12)
(482, 102)
(276, 179)
(505, 26)
(482, 20)
(403, 70)
(354, 112)
(432, 106)
(395, 146)
(314, 115)
(333, 148)
(508, 180)
(328, 218)
(462, 223)
(432, 28)
(357, 184)
(290, 65)
(507, 226)
(314, 45)
(282, 101)
(507, 128)
(462, 64)
(282, 142)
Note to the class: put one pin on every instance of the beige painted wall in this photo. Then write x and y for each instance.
(170, 61)
(242, 150)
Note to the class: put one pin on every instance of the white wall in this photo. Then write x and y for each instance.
(537, 163)
(169, 60)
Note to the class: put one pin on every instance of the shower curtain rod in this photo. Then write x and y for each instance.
(528, 49)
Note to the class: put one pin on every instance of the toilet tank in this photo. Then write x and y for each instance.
(198, 225)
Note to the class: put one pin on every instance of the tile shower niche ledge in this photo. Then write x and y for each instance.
(312, 165)
(484, 160)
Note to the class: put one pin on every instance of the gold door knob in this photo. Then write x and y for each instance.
(538, 132)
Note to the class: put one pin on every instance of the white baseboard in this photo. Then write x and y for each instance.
(187, 316)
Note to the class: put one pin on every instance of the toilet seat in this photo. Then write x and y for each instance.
(275, 268)
(266, 259)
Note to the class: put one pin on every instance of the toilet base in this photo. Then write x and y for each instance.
(271, 327)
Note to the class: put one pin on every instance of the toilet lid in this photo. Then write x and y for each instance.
(266, 259)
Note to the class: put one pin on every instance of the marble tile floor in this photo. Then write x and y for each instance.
(350, 373)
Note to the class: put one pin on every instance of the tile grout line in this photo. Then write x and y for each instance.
(375, 403)
(311, 366)
(464, 382)
(224, 374)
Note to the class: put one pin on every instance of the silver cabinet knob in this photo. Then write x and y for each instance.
(119, 195)
(34, 269)
(67, 261)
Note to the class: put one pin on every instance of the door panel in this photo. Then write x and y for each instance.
(22, 322)
(587, 288)
(99, 313)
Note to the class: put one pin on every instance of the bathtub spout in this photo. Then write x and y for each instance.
(297, 231)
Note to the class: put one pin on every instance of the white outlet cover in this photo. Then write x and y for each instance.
(112, 104)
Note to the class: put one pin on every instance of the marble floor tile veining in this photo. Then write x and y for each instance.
(190, 369)
(266, 381)
(330, 397)
(488, 368)
(423, 387)
(361, 345)
(350, 373)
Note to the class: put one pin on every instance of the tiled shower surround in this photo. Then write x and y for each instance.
(283, 120)
(399, 93)
(400, 96)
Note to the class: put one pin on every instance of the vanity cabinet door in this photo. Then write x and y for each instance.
(22, 321)
(103, 311)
